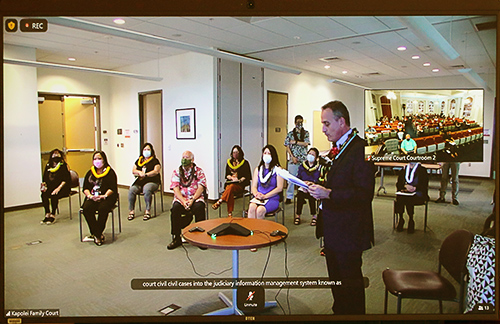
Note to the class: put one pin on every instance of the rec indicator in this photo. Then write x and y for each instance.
(33, 25)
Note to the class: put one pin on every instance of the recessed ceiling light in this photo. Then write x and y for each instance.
(415, 57)
(119, 21)
(435, 70)
(72, 59)
(296, 37)
(402, 48)
(344, 72)
(327, 67)
(426, 64)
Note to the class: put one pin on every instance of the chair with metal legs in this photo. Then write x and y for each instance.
(429, 284)
(117, 205)
(160, 191)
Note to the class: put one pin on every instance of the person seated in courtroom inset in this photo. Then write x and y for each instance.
(238, 176)
(189, 184)
(147, 172)
(267, 186)
(408, 145)
(370, 134)
(412, 187)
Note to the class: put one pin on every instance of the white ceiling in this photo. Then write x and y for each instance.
(366, 47)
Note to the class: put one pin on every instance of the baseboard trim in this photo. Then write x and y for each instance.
(21, 207)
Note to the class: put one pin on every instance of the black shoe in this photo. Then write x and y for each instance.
(51, 220)
(401, 223)
(202, 248)
(440, 200)
(288, 201)
(455, 202)
(411, 226)
(175, 243)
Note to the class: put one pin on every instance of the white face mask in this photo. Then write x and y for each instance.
(146, 153)
(267, 158)
(311, 158)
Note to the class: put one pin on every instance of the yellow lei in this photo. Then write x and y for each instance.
(56, 168)
(143, 163)
(106, 171)
(310, 169)
(234, 167)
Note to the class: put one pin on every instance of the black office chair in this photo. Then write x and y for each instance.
(395, 215)
(245, 193)
(429, 284)
(75, 183)
(160, 190)
(281, 208)
(117, 205)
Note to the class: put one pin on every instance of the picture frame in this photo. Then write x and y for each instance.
(185, 123)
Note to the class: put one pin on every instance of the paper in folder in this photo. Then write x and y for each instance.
(290, 177)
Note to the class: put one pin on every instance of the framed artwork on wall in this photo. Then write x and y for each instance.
(185, 123)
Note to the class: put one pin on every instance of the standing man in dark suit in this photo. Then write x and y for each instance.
(346, 202)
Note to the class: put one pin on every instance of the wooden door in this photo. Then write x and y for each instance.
(277, 118)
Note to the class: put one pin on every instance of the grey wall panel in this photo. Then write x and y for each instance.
(229, 113)
(252, 113)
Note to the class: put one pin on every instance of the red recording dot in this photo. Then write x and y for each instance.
(26, 25)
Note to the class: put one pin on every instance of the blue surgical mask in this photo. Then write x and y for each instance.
(311, 158)
(146, 153)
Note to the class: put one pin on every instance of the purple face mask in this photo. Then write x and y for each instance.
(98, 163)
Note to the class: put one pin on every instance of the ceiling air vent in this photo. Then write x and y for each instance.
(330, 59)
(485, 26)
(424, 48)
(372, 74)
(458, 66)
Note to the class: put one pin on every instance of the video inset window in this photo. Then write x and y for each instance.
(431, 125)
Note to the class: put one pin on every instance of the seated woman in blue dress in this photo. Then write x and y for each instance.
(309, 170)
(266, 186)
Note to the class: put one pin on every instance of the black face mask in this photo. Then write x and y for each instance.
(57, 159)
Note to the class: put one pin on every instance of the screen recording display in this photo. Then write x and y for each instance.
(203, 84)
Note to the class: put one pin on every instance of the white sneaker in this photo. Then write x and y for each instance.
(88, 238)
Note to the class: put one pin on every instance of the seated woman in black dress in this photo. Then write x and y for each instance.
(100, 189)
(412, 187)
(56, 184)
(238, 176)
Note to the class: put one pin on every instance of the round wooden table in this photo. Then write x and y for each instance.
(260, 237)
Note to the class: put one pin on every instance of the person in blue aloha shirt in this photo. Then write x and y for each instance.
(296, 143)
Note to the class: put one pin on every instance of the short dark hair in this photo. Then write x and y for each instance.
(315, 150)
(150, 146)
(339, 110)
(298, 117)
